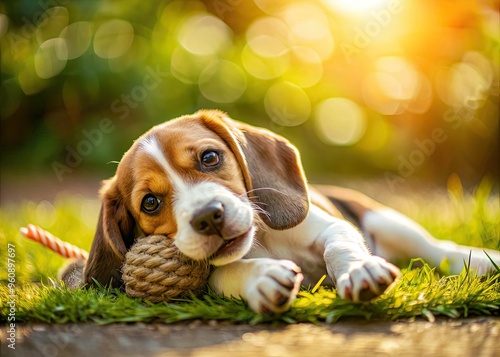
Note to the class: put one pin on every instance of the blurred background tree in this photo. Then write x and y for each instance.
(392, 89)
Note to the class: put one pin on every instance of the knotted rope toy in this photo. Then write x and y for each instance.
(154, 269)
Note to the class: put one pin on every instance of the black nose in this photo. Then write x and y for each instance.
(208, 220)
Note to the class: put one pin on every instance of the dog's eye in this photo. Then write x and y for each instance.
(210, 158)
(150, 203)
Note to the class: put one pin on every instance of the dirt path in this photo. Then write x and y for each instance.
(464, 337)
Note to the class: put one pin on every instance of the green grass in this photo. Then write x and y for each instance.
(469, 218)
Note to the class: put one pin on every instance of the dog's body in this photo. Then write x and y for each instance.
(237, 196)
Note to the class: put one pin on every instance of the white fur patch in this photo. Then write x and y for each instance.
(151, 146)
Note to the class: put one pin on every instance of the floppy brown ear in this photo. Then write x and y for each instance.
(114, 235)
(271, 167)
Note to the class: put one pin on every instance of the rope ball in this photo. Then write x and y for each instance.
(154, 269)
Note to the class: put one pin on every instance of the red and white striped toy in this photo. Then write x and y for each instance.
(53, 243)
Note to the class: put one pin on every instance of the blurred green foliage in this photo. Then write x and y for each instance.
(402, 90)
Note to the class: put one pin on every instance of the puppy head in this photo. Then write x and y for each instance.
(202, 180)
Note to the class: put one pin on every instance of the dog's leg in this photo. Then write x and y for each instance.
(393, 236)
(359, 276)
(268, 285)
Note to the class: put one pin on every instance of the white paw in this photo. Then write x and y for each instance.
(274, 286)
(366, 279)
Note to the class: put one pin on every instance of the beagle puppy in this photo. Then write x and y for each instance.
(236, 196)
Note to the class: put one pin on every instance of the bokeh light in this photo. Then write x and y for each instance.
(466, 82)
(394, 86)
(268, 37)
(77, 36)
(51, 58)
(287, 104)
(222, 82)
(339, 121)
(204, 35)
(113, 38)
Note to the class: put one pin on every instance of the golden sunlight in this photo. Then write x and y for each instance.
(356, 6)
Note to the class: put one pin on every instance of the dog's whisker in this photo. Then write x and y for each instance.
(256, 245)
(259, 209)
(265, 188)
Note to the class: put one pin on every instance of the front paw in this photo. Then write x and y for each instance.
(366, 279)
(274, 287)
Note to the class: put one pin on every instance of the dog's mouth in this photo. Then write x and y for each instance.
(232, 247)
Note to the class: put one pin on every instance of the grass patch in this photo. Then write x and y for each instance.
(472, 219)
(419, 292)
